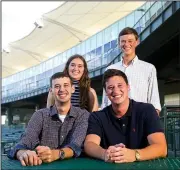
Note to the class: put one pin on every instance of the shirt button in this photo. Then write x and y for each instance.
(62, 136)
(123, 124)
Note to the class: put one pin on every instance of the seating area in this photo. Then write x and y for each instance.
(10, 136)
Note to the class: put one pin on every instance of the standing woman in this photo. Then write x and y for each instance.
(84, 96)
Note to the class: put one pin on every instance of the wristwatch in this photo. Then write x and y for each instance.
(137, 155)
(61, 154)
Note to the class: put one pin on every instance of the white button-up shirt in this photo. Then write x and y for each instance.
(142, 80)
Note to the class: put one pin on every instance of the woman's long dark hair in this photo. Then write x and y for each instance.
(84, 82)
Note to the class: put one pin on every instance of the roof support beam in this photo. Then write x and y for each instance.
(31, 53)
(67, 28)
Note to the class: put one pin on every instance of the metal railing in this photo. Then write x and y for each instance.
(170, 118)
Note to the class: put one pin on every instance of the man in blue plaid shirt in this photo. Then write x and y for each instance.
(56, 132)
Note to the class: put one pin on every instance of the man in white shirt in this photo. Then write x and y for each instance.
(141, 75)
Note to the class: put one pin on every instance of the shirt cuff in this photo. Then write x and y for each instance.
(12, 153)
(77, 150)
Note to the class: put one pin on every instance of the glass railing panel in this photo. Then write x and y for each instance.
(168, 13)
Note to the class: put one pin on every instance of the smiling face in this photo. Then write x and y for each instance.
(117, 90)
(128, 44)
(76, 69)
(62, 89)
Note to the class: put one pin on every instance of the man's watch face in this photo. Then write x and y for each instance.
(62, 154)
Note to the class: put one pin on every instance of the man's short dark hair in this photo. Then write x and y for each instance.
(128, 30)
(113, 72)
(59, 75)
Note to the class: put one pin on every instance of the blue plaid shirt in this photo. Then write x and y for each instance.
(46, 129)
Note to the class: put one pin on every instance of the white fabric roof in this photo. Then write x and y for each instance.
(63, 28)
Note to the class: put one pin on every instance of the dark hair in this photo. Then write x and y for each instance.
(113, 72)
(84, 83)
(59, 75)
(128, 30)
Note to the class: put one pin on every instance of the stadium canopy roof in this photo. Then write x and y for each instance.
(62, 28)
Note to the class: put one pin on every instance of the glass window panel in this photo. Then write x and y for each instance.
(49, 64)
(60, 58)
(20, 76)
(55, 61)
(69, 53)
(138, 15)
(93, 54)
(32, 71)
(130, 20)
(100, 39)
(88, 56)
(37, 68)
(73, 51)
(88, 45)
(114, 31)
(25, 74)
(147, 5)
(99, 51)
(48, 73)
(113, 44)
(64, 57)
(83, 48)
(122, 24)
(78, 49)
(147, 18)
(107, 35)
(93, 42)
(44, 67)
(153, 10)
(41, 68)
(106, 47)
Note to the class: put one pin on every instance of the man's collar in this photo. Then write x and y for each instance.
(133, 61)
(127, 114)
(72, 112)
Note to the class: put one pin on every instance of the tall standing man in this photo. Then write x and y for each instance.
(56, 132)
(141, 75)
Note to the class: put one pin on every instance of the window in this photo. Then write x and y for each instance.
(130, 20)
(99, 39)
(83, 48)
(93, 42)
(114, 44)
(64, 57)
(114, 31)
(107, 34)
(88, 45)
(93, 54)
(107, 47)
(99, 51)
(69, 53)
(121, 24)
